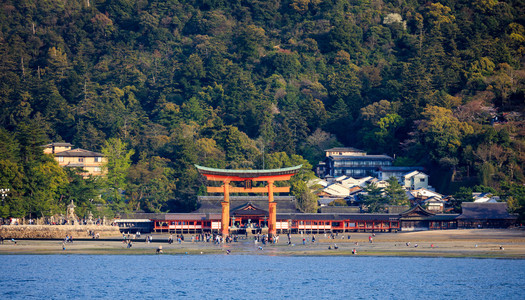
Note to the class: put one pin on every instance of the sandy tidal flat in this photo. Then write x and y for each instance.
(447, 243)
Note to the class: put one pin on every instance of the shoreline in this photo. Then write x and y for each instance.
(477, 243)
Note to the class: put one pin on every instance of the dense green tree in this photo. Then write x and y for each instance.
(373, 198)
(84, 192)
(151, 185)
(395, 193)
(514, 195)
(117, 166)
(442, 132)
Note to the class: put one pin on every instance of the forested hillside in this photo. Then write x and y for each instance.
(253, 84)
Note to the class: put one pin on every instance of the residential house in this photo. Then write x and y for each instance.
(415, 180)
(350, 181)
(91, 162)
(485, 198)
(380, 183)
(336, 189)
(387, 172)
(423, 193)
(317, 181)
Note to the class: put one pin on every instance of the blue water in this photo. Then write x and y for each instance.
(257, 277)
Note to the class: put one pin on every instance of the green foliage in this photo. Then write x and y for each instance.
(151, 185)
(306, 200)
(464, 194)
(514, 195)
(395, 193)
(84, 192)
(184, 82)
(338, 202)
(118, 163)
(373, 199)
(442, 132)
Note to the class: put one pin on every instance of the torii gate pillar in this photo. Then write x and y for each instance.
(272, 205)
(225, 216)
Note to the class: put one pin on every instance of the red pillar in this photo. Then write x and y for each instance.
(272, 220)
(225, 218)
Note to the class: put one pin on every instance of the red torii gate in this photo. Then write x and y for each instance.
(248, 176)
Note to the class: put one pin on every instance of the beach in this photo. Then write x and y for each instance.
(480, 243)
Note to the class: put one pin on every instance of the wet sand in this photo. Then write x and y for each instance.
(448, 243)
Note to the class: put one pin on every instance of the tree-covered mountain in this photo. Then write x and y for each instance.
(249, 84)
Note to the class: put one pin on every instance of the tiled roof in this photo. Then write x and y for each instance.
(343, 149)
(485, 211)
(339, 216)
(340, 209)
(400, 169)
(248, 209)
(364, 157)
(57, 145)
(172, 216)
(79, 153)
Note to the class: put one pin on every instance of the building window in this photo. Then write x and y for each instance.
(80, 159)
(98, 159)
(61, 159)
(421, 179)
(97, 169)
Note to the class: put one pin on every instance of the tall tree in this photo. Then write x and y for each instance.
(395, 193)
(118, 162)
(373, 198)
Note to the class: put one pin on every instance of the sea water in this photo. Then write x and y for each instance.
(258, 277)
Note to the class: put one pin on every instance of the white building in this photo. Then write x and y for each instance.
(337, 190)
(415, 180)
(485, 198)
(423, 193)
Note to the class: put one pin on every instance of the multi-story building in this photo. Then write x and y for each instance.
(352, 162)
(91, 162)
